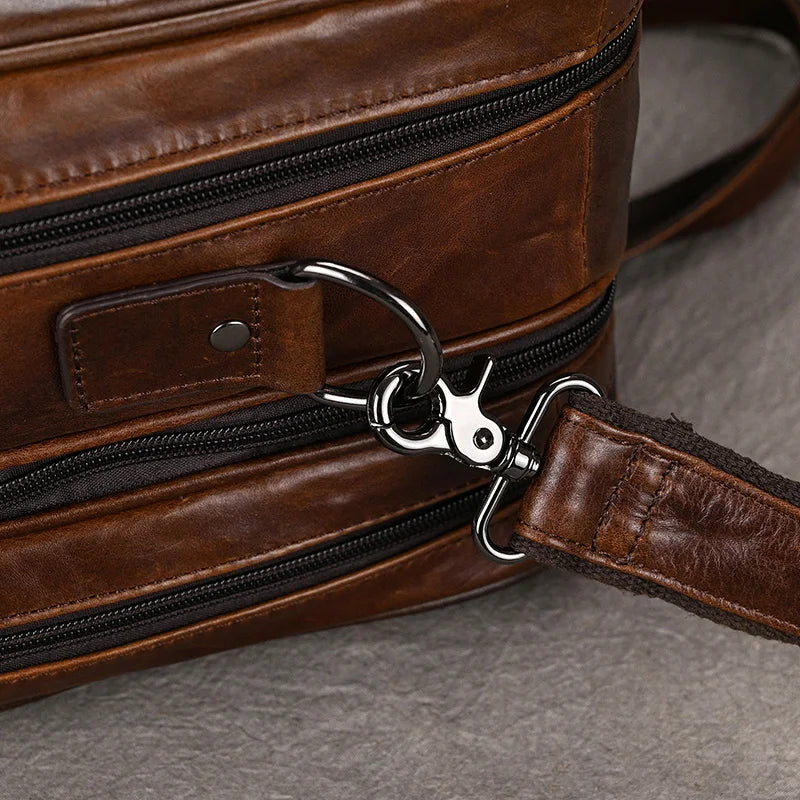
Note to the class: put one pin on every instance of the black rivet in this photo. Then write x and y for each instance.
(483, 439)
(230, 336)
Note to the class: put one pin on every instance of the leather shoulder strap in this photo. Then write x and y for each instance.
(650, 506)
(732, 185)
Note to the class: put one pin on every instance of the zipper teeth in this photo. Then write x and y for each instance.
(324, 420)
(243, 583)
(319, 162)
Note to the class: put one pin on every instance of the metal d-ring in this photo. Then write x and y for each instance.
(430, 348)
(481, 525)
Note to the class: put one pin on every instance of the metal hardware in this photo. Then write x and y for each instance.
(431, 357)
(455, 425)
(514, 471)
(230, 336)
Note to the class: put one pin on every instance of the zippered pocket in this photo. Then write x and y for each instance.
(78, 634)
(453, 204)
(266, 430)
(126, 466)
(206, 195)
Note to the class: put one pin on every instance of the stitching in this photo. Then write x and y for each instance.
(259, 554)
(151, 301)
(322, 209)
(262, 129)
(590, 162)
(178, 636)
(587, 192)
(624, 478)
(256, 330)
(110, 401)
(537, 529)
(691, 590)
(668, 472)
(754, 498)
(80, 382)
(77, 367)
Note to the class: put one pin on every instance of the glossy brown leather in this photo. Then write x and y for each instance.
(443, 570)
(137, 347)
(78, 125)
(495, 241)
(463, 235)
(732, 185)
(630, 510)
(244, 515)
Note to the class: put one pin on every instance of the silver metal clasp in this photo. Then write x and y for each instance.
(455, 424)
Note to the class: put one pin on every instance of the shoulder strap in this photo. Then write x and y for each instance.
(650, 506)
(732, 185)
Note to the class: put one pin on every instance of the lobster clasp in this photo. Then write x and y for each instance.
(456, 425)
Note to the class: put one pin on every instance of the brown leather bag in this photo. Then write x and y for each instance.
(191, 192)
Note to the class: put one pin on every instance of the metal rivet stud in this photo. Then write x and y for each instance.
(483, 439)
(230, 336)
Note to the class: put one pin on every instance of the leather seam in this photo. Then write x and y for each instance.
(625, 476)
(216, 142)
(202, 573)
(101, 402)
(151, 301)
(644, 528)
(256, 371)
(669, 580)
(77, 367)
(327, 207)
(179, 636)
(689, 468)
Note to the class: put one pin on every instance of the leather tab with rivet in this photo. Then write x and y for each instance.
(211, 335)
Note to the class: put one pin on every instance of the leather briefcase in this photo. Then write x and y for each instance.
(254, 256)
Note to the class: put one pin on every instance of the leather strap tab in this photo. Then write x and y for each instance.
(650, 506)
(154, 344)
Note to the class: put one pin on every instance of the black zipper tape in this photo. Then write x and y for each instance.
(156, 458)
(197, 197)
(74, 635)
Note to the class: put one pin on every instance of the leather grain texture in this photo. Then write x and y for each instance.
(650, 506)
(555, 687)
(193, 98)
(141, 346)
(244, 515)
(474, 266)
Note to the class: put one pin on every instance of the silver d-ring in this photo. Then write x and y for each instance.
(430, 348)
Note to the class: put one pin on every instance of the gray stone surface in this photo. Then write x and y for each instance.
(556, 687)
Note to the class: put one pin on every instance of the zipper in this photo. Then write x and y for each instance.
(74, 478)
(112, 626)
(187, 199)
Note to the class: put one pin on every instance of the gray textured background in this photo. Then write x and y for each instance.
(555, 687)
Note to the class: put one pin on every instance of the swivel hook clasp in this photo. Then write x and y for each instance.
(455, 423)
(456, 426)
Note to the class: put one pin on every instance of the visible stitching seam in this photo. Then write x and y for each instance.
(256, 333)
(669, 579)
(195, 574)
(78, 368)
(260, 130)
(327, 207)
(624, 478)
(644, 528)
(282, 604)
(689, 468)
